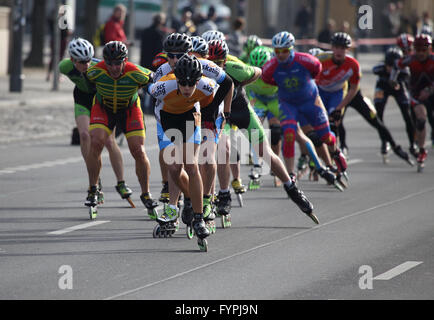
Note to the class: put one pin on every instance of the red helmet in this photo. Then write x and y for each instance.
(422, 40)
(159, 60)
(405, 41)
(218, 50)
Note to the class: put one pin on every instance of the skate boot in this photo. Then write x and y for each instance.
(413, 150)
(341, 163)
(125, 192)
(92, 197)
(298, 197)
(100, 193)
(255, 175)
(239, 189)
(208, 214)
(421, 159)
(92, 201)
(385, 148)
(164, 194)
(224, 208)
(167, 223)
(329, 176)
(201, 231)
(150, 205)
(187, 212)
(403, 155)
(302, 165)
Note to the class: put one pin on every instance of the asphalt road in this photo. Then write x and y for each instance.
(375, 240)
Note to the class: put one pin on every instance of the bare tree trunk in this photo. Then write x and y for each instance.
(36, 56)
(91, 19)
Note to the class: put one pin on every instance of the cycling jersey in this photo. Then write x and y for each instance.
(334, 77)
(169, 98)
(121, 93)
(422, 73)
(66, 67)
(173, 110)
(209, 68)
(242, 114)
(295, 78)
(264, 99)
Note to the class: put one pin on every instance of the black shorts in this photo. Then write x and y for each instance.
(83, 98)
(173, 126)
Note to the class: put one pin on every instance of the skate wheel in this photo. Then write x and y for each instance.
(157, 231)
(131, 202)
(203, 245)
(93, 212)
(190, 232)
(419, 167)
(240, 199)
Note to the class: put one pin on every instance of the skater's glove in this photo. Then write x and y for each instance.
(336, 115)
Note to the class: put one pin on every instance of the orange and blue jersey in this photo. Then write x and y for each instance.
(334, 78)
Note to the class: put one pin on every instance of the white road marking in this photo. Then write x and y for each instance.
(392, 273)
(354, 161)
(358, 213)
(58, 162)
(77, 227)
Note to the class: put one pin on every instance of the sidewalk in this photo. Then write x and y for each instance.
(39, 112)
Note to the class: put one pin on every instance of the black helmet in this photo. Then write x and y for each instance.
(392, 54)
(177, 42)
(341, 39)
(188, 69)
(115, 50)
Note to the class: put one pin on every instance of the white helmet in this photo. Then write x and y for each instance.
(283, 39)
(213, 35)
(81, 49)
(315, 51)
(200, 45)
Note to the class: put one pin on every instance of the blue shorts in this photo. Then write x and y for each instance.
(331, 99)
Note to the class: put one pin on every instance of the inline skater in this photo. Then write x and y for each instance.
(400, 93)
(263, 98)
(81, 58)
(179, 98)
(244, 117)
(252, 42)
(294, 74)
(421, 65)
(339, 69)
(116, 102)
(212, 115)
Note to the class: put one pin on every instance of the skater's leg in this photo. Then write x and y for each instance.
(115, 155)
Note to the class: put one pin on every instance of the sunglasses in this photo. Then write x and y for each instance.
(83, 62)
(174, 55)
(114, 62)
(185, 83)
(281, 50)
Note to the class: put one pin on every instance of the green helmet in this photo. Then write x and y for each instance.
(260, 56)
(252, 42)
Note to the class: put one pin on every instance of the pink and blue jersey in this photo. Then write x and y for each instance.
(295, 79)
(299, 100)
